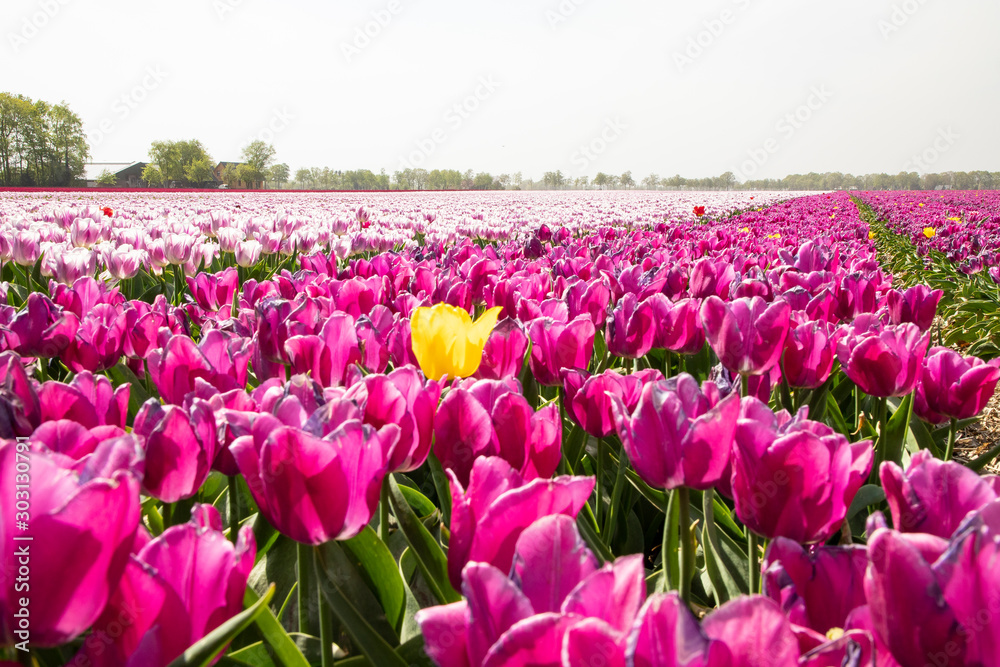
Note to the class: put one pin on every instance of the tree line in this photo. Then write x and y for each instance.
(41, 144)
(188, 164)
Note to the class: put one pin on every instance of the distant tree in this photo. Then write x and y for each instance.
(107, 179)
(483, 181)
(518, 179)
(279, 174)
(152, 175)
(626, 180)
(198, 171)
(651, 182)
(601, 180)
(504, 180)
(40, 143)
(257, 157)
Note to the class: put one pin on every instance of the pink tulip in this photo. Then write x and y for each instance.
(497, 506)
(817, 587)
(885, 363)
(177, 588)
(954, 387)
(406, 399)
(678, 325)
(43, 329)
(918, 304)
(214, 292)
(588, 399)
(180, 446)
(810, 351)
(83, 518)
(747, 334)
(329, 355)
(315, 490)
(556, 346)
(678, 434)
(20, 407)
(631, 329)
(99, 340)
(503, 355)
(934, 496)
(793, 477)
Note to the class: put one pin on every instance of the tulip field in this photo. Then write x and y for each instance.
(578, 429)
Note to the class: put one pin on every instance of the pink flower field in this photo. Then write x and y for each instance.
(462, 429)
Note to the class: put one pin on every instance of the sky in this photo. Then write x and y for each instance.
(762, 88)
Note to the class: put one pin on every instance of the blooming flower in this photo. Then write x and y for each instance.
(447, 343)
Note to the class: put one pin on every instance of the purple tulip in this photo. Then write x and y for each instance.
(750, 631)
(91, 400)
(817, 587)
(908, 611)
(180, 447)
(498, 505)
(43, 329)
(177, 588)
(747, 334)
(678, 325)
(555, 346)
(20, 409)
(710, 278)
(954, 387)
(933, 496)
(918, 304)
(99, 340)
(588, 398)
(856, 294)
(214, 292)
(793, 477)
(315, 490)
(971, 583)
(405, 399)
(329, 355)
(503, 355)
(556, 608)
(886, 363)
(810, 351)
(631, 330)
(679, 434)
(83, 519)
(588, 299)
(492, 418)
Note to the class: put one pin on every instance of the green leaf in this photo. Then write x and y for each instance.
(869, 494)
(365, 637)
(418, 501)
(381, 573)
(202, 652)
(121, 374)
(270, 628)
(441, 486)
(895, 430)
(430, 557)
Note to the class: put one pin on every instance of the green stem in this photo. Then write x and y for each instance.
(952, 433)
(168, 511)
(234, 509)
(325, 629)
(881, 444)
(305, 566)
(599, 486)
(383, 513)
(687, 547)
(744, 385)
(753, 562)
(671, 573)
(616, 494)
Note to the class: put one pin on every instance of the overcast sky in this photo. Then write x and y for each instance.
(762, 88)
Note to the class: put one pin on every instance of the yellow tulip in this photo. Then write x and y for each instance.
(929, 232)
(447, 343)
(871, 235)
